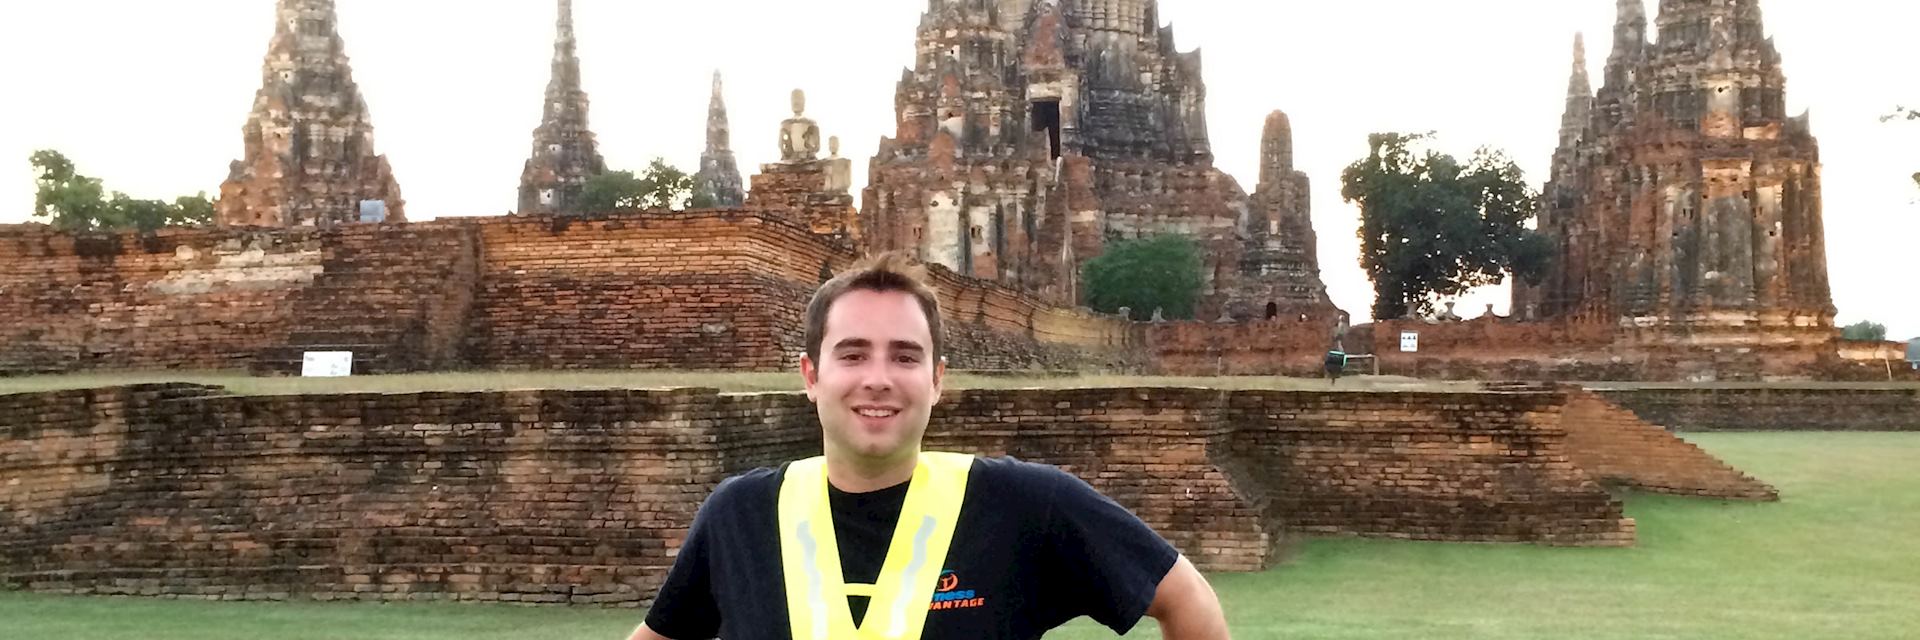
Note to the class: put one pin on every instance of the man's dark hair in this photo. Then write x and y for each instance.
(890, 271)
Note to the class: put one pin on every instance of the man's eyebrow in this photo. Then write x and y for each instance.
(863, 343)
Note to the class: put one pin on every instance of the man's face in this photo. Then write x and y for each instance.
(876, 382)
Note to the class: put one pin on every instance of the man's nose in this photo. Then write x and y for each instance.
(876, 379)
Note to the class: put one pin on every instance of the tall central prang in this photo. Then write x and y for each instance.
(1033, 133)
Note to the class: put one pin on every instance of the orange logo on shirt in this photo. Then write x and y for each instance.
(951, 596)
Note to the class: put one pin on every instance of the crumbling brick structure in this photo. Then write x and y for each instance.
(1684, 202)
(1617, 448)
(1281, 346)
(583, 497)
(719, 289)
(810, 190)
(1773, 408)
(206, 298)
(1421, 466)
(1031, 134)
(310, 158)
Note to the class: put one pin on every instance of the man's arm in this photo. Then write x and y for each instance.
(643, 633)
(1186, 606)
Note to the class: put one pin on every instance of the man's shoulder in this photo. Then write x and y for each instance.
(746, 487)
(1008, 471)
(1047, 487)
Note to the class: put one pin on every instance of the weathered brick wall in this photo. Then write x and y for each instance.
(1285, 346)
(1154, 451)
(723, 289)
(1574, 350)
(1487, 349)
(577, 497)
(180, 298)
(726, 290)
(448, 309)
(583, 496)
(1617, 448)
(396, 296)
(1489, 339)
(993, 326)
(812, 194)
(696, 290)
(1842, 369)
(1487, 467)
(1773, 408)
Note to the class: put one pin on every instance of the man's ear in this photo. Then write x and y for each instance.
(809, 374)
(939, 378)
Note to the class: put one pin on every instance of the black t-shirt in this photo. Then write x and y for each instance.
(1033, 548)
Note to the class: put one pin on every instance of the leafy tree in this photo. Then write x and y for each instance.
(661, 186)
(195, 208)
(1864, 330)
(612, 191)
(1432, 226)
(79, 203)
(1160, 272)
(71, 200)
(148, 215)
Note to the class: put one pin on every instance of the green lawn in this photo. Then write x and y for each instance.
(1837, 557)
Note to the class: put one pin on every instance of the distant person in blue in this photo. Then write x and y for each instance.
(1336, 362)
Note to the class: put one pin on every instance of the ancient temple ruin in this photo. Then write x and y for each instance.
(1032, 133)
(309, 158)
(1684, 201)
(719, 174)
(564, 153)
(1281, 264)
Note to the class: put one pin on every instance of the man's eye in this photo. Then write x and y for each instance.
(907, 360)
(852, 357)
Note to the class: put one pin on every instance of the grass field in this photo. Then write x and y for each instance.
(1837, 557)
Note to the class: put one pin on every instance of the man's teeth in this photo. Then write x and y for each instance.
(877, 413)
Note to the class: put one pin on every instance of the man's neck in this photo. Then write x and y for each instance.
(859, 476)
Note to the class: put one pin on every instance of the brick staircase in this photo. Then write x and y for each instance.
(1617, 448)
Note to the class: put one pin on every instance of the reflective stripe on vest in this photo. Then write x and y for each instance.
(810, 556)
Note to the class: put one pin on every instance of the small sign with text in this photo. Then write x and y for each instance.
(327, 364)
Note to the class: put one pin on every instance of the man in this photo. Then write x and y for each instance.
(1336, 363)
(1336, 360)
(878, 539)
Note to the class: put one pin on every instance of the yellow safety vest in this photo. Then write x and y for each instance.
(810, 555)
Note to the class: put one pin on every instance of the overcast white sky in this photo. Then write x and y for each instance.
(150, 95)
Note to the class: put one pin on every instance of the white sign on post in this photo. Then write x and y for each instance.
(327, 364)
(1409, 341)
